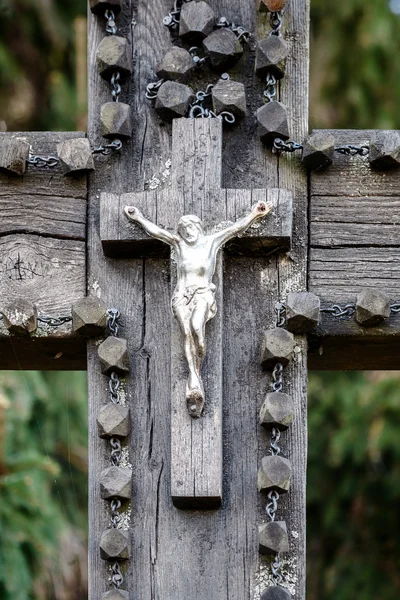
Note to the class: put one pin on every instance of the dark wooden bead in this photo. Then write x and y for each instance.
(223, 48)
(270, 5)
(100, 6)
(173, 100)
(372, 307)
(277, 411)
(115, 595)
(116, 482)
(384, 149)
(302, 312)
(271, 56)
(75, 155)
(114, 54)
(89, 316)
(272, 122)
(20, 317)
(196, 21)
(113, 421)
(277, 346)
(318, 151)
(114, 545)
(229, 95)
(273, 538)
(113, 355)
(13, 155)
(176, 65)
(276, 592)
(275, 474)
(115, 120)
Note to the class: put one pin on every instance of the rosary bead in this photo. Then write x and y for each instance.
(20, 317)
(273, 538)
(276, 592)
(302, 312)
(100, 6)
(114, 545)
(223, 48)
(115, 120)
(271, 54)
(113, 421)
(89, 316)
(270, 5)
(384, 150)
(196, 20)
(116, 482)
(277, 346)
(119, 595)
(13, 155)
(173, 100)
(274, 474)
(372, 307)
(114, 54)
(176, 65)
(272, 122)
(318, 151)
(113, 355)
(229, 96)
(75, 155)
(277, 411)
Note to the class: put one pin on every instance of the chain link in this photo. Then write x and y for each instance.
(111, 27)
(241, 33)
(280, 312)
(117, 577)
(54, 321)
(286, 146)
(275, 20)
(172, 19)
(272, 506)
(114, 385)
(338, 311)
(352, 150)
(194, 53)
(270, 90)
(116, 91)
(116, 451)
(105, 149)
(115, 505)
(113, 315)
(43, 161)
(276, 570)
(395, 307)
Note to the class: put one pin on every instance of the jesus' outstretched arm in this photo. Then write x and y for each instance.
(259, 210)
(151, 228)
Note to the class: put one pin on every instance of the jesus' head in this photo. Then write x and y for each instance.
(190, 228)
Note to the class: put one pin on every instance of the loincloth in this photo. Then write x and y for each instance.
(192, 296)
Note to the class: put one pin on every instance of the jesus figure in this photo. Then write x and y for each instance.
(193, 300)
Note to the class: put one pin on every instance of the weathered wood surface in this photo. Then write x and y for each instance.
(215, 553)
(354, 226)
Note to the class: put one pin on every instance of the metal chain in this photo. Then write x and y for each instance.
(152, 89)
(42, 161)
(198, 61)
(395, 307)
(275, 21)
(116, 91)
(197, 110)
(274, 447)
(277, 378)
(270, 90)
(115, 505)
(54, 321)
(286, 146)
(114, 146)
(280, 312)
(117, 577)
(276, 570)
(272, 506)
(114, 385)
(113, 315)
(340, 311)
(352, 150)
(241, 33)
(111, 27)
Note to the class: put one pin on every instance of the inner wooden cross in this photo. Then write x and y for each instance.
(196, 445)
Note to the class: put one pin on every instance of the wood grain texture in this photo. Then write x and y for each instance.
(42, 248)
(207, 555)
(354, 226)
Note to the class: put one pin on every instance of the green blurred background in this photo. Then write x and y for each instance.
(354, 418)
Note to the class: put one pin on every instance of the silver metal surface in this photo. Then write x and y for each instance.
(193, 300)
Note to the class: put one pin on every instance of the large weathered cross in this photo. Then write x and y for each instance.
(195, 188)
(51, 254)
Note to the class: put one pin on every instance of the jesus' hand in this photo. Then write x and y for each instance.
(261, 209)
(133, 213)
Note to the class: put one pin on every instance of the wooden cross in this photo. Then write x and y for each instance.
(195, 188)
(346, 242)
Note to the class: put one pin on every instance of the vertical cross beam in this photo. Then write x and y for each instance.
(196, 446)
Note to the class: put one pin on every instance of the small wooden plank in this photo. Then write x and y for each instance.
(341, 273)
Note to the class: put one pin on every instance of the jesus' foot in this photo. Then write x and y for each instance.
(195, 402)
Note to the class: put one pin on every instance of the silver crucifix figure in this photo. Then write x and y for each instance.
(193, 300)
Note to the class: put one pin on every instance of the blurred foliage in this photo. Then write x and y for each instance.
(355, 74)
(353, 486)
(43, 485)
(38, 64)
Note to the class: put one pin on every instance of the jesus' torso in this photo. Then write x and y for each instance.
(195, 263)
